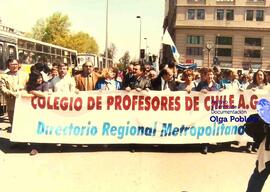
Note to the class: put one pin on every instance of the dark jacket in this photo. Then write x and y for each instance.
(127, 79)
(140, 82)
(156, 84)
(256, 128)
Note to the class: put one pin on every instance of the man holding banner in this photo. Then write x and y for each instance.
(139, 82)
(11, 83)
(64, 82)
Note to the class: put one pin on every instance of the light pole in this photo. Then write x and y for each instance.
(209, 47)
(106, 39)
(139, 17)
(146, 47)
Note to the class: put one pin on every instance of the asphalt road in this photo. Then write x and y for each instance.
(97, 168)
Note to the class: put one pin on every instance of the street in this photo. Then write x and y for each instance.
(98, 168)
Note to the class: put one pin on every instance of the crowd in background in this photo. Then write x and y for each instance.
(42, 80)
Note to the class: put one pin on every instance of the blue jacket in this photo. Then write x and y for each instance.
(101, 84)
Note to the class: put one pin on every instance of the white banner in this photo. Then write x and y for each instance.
(152, 117)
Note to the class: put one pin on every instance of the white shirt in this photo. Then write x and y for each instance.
(66, 84)
(111, 85)
(164, 85)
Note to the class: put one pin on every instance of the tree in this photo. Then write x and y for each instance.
(111, 51)
(82, 42)
(39, 30)
(55, 30)
(125, 59)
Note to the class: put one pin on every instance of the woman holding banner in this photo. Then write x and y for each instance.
(36, 86)
(108, 82)
(188, 84)
(259, 80)
(11, 84)
(209, 85)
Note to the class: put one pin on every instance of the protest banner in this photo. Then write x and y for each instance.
(153, 117)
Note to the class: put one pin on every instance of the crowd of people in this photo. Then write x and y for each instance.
(43, 80)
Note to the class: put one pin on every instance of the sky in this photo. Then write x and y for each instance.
(90, 16)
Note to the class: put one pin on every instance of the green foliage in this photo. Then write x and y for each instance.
(39, 30)
(56, 30)
(125, 59)
(83, 43)
(111, 51)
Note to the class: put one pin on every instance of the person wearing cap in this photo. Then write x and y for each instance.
(87, 79)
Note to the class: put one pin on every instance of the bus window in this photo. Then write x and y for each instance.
(21, 55)
(73, 59)
(53, 50)
(39, 47)
(30, 46)
(22, 44)
(58, 51)
(33, 58)
(2, 67)
(25, 57)
(40, 57)
(65, 60)
(65, 53)
(47, 59)
(12, 51)
(46, 49)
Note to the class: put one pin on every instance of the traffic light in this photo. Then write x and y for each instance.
(142, 53)
(150, 59)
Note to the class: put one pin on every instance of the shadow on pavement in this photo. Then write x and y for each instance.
(9, 147)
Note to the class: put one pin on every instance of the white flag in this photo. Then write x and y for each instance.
(166, 39)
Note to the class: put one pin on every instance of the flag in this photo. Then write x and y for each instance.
(166, 39)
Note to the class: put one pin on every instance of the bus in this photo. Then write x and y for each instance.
(30, 51)
(97, 60)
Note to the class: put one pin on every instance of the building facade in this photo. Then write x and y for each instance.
(231, 33)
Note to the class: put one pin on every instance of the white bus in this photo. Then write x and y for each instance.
(30, 51)
(97, 60)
